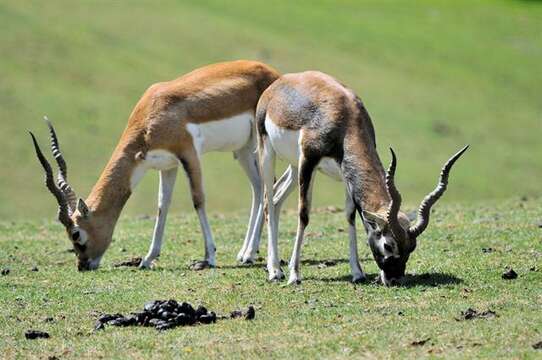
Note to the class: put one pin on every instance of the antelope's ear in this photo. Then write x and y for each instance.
(83, 208)
(375, 218)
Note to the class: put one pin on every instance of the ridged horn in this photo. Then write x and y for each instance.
(395, 196)
(424, 211)
(63, 215)
(62, 178)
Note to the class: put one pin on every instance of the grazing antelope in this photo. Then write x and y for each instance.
(174, 123)
(315, 123)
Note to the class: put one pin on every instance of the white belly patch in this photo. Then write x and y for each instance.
(331, 168)
(228, 134)
(155, 159)
(286, 144)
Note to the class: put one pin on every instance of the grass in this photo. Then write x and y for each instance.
(433, 74)
(324, 317)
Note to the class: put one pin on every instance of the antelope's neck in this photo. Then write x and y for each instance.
(110, 193)
(363, 170)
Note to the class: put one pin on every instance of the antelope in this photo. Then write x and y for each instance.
(313, 122)
(174, 123)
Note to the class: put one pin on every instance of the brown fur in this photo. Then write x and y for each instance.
(158, 121)
(334, 123)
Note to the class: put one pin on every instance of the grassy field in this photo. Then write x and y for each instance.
(433, 74)
(324, 317)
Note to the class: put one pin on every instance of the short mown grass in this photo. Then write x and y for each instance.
(324, 317)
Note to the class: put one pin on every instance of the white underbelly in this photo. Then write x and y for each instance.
(228, 134)
(286, 144)
(157, 159)
(331, 168)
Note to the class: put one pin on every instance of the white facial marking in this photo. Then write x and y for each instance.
(83, 237)
(229, 134)
(391, 242)
(155, 159)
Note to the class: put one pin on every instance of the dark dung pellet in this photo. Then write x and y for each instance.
(509, 274)
(35, 334)
(251, 313)
(201, 310)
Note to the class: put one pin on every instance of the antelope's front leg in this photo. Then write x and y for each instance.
(350, 209)
(167, 183)
(192, 167)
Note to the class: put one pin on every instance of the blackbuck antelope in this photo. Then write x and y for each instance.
(314, 123)
(174, 123)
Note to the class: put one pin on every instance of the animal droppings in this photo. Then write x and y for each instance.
(509, 274)
(419, 342)
(167, 314)
(5, 271)
(135, 261)
(35, 334)
(249, 314)
(471, 314)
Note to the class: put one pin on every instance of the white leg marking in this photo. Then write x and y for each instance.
(268, 170)
(248, 160)
(210, 248)
(350, 210)
(167, 183)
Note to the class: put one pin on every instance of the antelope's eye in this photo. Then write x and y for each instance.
(75, 236)
(388, 247)
(378, 233)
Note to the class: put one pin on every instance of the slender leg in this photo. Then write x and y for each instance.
(350, 210)
(284, 186)
(268, 170)
(282, 189)
(248, 160)
(306, 173)
(167, 183)
(191, 164)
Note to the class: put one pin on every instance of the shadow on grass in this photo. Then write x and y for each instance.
(418, 280)
(307, 262)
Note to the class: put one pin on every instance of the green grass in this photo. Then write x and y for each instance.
(433, 74)
(324, 317)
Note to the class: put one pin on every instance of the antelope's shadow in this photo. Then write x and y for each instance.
(431, 279)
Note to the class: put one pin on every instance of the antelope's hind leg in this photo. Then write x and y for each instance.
(167, 183)
(306, 177)
(268, 174)
(249, 162)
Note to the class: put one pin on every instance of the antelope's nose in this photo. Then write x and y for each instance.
(83, 265)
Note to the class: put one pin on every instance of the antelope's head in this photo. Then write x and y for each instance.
(391, 237)
(87, 239)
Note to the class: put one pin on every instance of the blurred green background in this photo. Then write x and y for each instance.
(434, 76)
